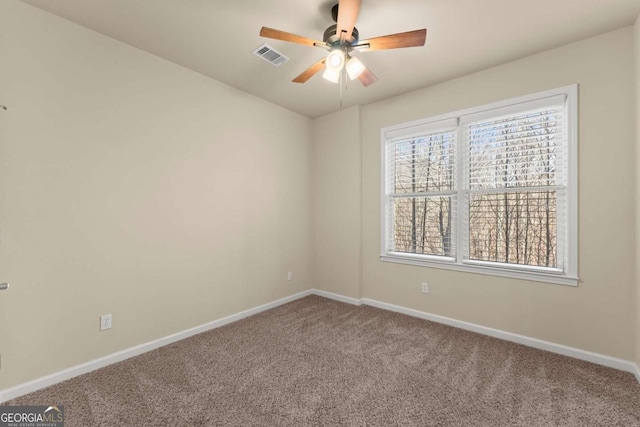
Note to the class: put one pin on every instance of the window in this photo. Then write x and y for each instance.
(491, 190)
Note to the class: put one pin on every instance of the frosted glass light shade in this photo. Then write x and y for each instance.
(331, 75)
(354, 68)
(335, 60)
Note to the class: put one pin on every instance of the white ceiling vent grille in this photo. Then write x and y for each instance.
(270, 55)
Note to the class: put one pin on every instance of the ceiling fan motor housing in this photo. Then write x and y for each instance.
(333, 39)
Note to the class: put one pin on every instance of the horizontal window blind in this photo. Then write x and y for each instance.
(424, 164)
(515, 181)
(522, 150)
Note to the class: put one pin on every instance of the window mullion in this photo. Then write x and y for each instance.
(462, 225)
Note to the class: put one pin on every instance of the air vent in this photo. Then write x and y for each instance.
(270, 55)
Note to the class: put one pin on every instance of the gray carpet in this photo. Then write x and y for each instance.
(319, 362)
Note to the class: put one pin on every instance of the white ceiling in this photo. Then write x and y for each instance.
(216, 38)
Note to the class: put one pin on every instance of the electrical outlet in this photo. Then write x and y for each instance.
(425, 288)
(105, 322)
(289, 276)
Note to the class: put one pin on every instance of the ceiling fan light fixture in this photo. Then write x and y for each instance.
(340, 39)
(331, 75)
(354, 68)
(335, 60)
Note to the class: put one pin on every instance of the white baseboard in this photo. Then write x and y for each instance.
(46, 381)
(337, 297)
(37, 384)
(600, 359)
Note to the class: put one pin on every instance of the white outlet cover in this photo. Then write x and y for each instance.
(425, 288)
(105, 322)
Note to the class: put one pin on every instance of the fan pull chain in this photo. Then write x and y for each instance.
(346, 79)
(340, 83)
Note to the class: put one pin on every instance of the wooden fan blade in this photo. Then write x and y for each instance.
(394, 41)
(288, 37)
(367, 78)
(310, 72)
(347, 14)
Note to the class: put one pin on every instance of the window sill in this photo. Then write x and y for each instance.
(555, 278)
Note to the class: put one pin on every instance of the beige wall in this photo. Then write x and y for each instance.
(636, 34)
(599, 314)
(132, 186)
(336, 202)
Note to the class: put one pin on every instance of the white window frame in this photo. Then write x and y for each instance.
(569, 274)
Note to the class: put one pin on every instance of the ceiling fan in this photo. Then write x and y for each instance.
(341, 39)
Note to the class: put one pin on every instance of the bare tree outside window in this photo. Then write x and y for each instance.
(423, 175)
(510, 188)
(512, 203)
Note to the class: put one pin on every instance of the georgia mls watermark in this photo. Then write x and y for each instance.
(31, 416)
